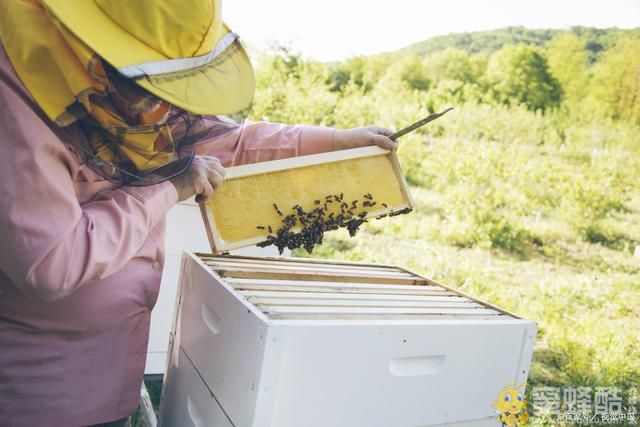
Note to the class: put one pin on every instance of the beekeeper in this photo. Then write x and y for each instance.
(109, 115)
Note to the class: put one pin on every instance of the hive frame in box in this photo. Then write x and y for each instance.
(285, 275)
(219, 245)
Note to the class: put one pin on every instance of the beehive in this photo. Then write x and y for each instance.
(247, 197)
(297, 342)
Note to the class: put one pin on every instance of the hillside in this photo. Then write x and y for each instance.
(487, 42)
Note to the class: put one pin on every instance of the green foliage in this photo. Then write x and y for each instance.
(568, 62)
(455, 64)
(359, 71)
(523, 198)
(456, 76)
(292, 90)
(591, 74)
(617, 80)
(600, 40)
(488, 42)
(485, 42)
(520, 75)
(408, 73)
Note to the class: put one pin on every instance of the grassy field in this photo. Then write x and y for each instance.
(544, 228)
(537, 217)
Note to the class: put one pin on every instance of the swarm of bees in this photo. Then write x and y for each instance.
(329, 214)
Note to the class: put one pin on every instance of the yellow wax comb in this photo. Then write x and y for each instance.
(254, 199)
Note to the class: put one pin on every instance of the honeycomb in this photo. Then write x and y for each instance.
(246, 202)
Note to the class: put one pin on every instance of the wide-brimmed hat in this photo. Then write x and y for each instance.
(179, 50)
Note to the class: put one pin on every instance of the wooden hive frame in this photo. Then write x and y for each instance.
(318, 289)
(219, 244)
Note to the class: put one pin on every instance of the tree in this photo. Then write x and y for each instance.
(456, 76)
(568, 61)
(455, 64)
(409, 73)
(616, 80)
(520, 75)
(291, 89)
(360, 71)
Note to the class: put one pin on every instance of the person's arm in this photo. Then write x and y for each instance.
(252, 142)
(51, 244)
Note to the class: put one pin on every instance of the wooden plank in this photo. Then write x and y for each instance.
(308, 267)
(210, 227)
(464, 294)
(293, 264)
(261, 301)
(282, 309)
(146, 408)
(302, 161)
(206, 256)
(349, 296)
(240, 283)
(310, 276)
(404, 187)
(418, 318)
(291, 268)
(334, 289)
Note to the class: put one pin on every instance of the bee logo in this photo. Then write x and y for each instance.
(511, 406)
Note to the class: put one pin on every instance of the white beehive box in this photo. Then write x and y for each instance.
(304, 343)
(182, 233)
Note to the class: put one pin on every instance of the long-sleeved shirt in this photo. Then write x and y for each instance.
(81, 260)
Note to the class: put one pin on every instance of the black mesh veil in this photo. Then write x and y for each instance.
(109, 142)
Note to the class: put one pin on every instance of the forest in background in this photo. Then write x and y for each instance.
(527, 193)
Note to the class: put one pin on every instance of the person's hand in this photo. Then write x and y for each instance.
(363, 136)
(202, 178)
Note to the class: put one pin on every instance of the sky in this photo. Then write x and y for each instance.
(337, 29)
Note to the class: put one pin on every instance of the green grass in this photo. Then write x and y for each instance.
(543, 230)
(546, 230)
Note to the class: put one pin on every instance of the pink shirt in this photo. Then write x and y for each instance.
(80, 264)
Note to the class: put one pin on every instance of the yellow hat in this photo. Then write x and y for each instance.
(179, 50)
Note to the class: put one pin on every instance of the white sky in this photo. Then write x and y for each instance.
(336, 29)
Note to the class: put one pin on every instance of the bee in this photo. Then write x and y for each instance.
(316, 222)
(401, 212)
